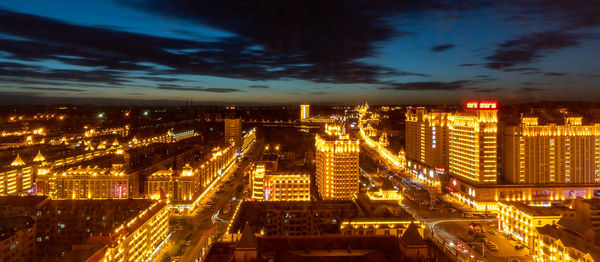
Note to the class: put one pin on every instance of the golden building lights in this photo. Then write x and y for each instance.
(551, 153)
(304, 112)
(473, 143)
(279, 186)
(337, 166)
(18, 161)
(39, 157)
(86, 183)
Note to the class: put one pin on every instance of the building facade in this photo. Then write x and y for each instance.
(551, 153)
(427, 137)
(473, 135)
(337, 170)
(520, 220)
(304, 112)
(280, 186)
(233, 131)
(87, 183)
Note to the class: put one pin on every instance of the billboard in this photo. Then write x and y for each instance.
(571, 193)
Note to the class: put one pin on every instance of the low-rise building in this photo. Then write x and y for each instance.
(565, 242)
(520, 220)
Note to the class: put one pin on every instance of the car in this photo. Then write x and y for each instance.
(519, 246)
(493, 248)
(468, 215)
(493, 232)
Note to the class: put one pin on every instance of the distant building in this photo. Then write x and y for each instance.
(535, 153)
(304, 112)
(233, 131)
(337, 170)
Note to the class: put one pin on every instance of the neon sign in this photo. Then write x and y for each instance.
(482, 105)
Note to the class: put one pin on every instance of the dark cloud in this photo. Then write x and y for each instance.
(258, 86)
(440, 48)
(555, 74)
(197, 89)
(532, 89)
(530, 73)
(52, 89)
(321, 93)
(469, 64)
(528, 48)
(520, 69)
(428, 86)
(532, 83)
(487, 90)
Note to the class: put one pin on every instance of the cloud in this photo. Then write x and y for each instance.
(529, 48)
(469, 64)
(198, 89)
(258, 86)
(440, 48)
(520, 69)
(532, 89)
(52, 89)
(555, 74)
(321, 93)
(428, 86)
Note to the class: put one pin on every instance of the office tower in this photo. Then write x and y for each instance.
(304, 112)
(537, 153)
(337, 166)
(427, 137)
(233, 131)
(472, 135)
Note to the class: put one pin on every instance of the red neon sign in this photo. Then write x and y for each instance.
(482, 105)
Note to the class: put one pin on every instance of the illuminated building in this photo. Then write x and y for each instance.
(258, 182)
(16, 178)
(472, 147)
(93, 230)
(87, 183)
(337, 166)
(521, 220)
(183, 188)
(168, 137)
(427, 137)
(249, 139)
(279, 186)
(304, 112)
(551, 153)
(386, 192)
(233, 131)
(566, 242)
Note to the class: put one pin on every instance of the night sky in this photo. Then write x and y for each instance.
(276, 52)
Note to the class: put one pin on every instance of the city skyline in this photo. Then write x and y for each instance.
(167, 52)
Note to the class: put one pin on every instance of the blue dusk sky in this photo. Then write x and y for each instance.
(281, 52)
